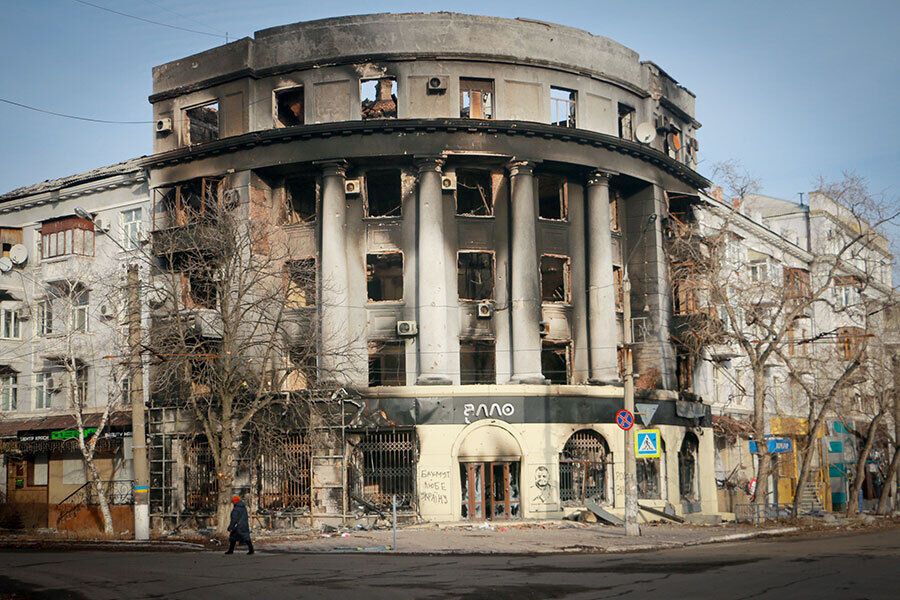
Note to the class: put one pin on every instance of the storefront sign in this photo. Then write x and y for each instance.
(71, 434)
(774, 445)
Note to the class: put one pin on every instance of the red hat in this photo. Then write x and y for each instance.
(235, 499)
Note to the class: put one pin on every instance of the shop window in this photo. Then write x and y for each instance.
(384, 277)
(555, 278)
(476, 98)
(73, 470)
(584, 469)
(477, 362)
(384, 196)
(9, 389)
(649, 477)
(626, 122)
(490, 490)
(619, 288)
(387, 363)
(302, 199)
(475, 275)
(474, 193)
(132, 226)
(562, 107)
(301, 283)
(10, 324)
(289, 107)
(688, 480)
(556, 361)
(202, 123)
(67, 236)
(378, 98)
(38, 469)
(552, 198)
(283, 474)
(383, 466)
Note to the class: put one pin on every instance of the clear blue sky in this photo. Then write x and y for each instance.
(793, 89)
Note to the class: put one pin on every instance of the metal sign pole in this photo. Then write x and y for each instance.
(631, 505)
(394, 510)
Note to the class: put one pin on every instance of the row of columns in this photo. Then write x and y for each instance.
(433, 274)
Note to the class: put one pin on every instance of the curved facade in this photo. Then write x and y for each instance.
(470, 189)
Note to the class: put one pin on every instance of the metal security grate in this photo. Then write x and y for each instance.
(200, 483)
(584, 466)
(383, 465)
(283, 478)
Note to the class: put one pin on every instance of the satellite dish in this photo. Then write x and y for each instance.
(5, 265)
(18, 254)
(645, 132)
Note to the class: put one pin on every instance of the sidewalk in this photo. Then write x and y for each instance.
(518, 538)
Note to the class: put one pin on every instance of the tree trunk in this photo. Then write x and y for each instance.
(889, 485)
(853, 504)
(806, 460)
(226, 474)
(759, 425)
(100, 490)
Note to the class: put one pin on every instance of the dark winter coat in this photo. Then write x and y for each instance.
(240, 523)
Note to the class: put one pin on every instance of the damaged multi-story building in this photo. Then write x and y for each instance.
(470, 215)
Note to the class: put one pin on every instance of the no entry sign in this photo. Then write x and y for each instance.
(624, 419)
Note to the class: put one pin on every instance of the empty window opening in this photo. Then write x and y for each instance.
(684, 370)
(67, 235)
(650, 481)
(283, 474)
(688, 482)
(302, 367)
(382, 466)
(615, 204)
(289, 107)
(555, 278)
(555, 361)
(384, 276)
(562, 107)
(474, 193)
(301, 283)
(618, 288)
(477, 362)
(552, 197)
(202, 289)
(202, 123)
(476, 98)
(475, 275)
(490, 490)
(387, 363)
(187, 202)
(384, 193)
(626, 122)
(585, 465)
(379, 98)
(302, 195)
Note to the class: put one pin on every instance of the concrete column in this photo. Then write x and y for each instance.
(334, 297)
(601, 295)
(432, 276)
(525, 275)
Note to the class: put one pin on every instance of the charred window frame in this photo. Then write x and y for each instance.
(555, 278)
(553, 198)
(477, 362)
(384, 194)
(476, 98)
(378, 98)
(619, 287)
(302, 199)
(202, 123)
(474, 193)
(684, 370)
(289, 107)
(301, 282)
(562, 106)
(475, 275)
(556, 361)
(387, 363)
(188, 202)
(384, 277)
(626, 122)
(615, 205)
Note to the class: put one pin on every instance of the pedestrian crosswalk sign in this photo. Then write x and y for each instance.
(646, 443)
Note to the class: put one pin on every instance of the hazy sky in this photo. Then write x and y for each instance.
(793, 89)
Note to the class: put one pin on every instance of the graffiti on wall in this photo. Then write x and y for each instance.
(543, 497)
(434, 487)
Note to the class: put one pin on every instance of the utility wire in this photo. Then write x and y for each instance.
(56, 114)
(115, 12)
(183, 16)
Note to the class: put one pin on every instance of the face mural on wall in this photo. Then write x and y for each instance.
(542, 490)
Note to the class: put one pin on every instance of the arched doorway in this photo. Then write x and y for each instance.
(490, 473)
(688, 473)
(585, 469)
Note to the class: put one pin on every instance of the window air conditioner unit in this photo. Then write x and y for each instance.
(437, 84)
(545, 327)
(101, 226)
(448, 181)
(485, 309)
(407, 328)
(661, 123)
(352, 187)
(107, 311)
(164, 125)
(53, 383)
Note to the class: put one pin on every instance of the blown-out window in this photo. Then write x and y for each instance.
(384, 276)
(475, 275)
(555, 278)
(387, 363)
(477, 362)
(378, 98)
(562, 107)
(202, 123)
(289, 107)
(476, 98)
(552, 197)
(384, 193)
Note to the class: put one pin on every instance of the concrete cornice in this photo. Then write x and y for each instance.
(69, 189)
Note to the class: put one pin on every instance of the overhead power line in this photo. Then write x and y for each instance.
(56, 114)
(152, 22)
(184, 16)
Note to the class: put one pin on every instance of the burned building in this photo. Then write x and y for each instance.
(469, 214)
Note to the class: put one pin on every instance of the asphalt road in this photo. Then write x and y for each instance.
(816, 566)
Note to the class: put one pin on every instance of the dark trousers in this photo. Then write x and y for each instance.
(233, 542)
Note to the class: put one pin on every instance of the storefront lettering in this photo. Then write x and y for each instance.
(482, 410)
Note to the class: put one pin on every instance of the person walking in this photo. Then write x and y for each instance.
(239, 526)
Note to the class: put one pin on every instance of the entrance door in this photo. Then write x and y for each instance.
(490, 490)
